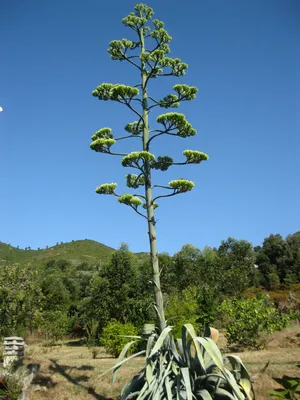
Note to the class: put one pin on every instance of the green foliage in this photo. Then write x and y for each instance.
(54, 325)
(191, 367)
(20, 299)
(181, 308)
(113, 339)
(245, 320)
(10, 387)
(237, 260)
(290, 388)
(77, 251)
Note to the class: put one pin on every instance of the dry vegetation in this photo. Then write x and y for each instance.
(69, 372)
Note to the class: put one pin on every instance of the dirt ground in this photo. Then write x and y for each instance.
(69, 371)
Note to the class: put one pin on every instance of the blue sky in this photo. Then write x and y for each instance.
(244, 58)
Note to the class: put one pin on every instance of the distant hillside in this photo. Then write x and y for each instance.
(77, 251)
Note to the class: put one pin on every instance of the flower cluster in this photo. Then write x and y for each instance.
(162, 163)
(194, 156)
(106, 188)
(102, 145)
(130, 200)
(115, 91)
(103, 133)
(134, 181)
(177, 122)
(135, 127)
(181, 185)
(132, 159)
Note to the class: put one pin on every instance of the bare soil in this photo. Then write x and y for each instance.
(69, 372)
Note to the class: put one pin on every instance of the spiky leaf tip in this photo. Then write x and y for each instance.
(194, 156)
(182, 185)
(134, 181)
(102, 145)
(129, 199)
(103, 133)
(106, 188)
(162, 163)
(136, 156)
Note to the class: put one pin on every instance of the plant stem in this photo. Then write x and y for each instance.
(158, 298)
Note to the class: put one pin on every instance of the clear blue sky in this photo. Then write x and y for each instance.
(243, 56)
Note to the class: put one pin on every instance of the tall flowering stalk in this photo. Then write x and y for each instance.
(149, 56)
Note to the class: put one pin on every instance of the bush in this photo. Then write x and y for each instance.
(244, 320)
(54, 325)
(112, 339)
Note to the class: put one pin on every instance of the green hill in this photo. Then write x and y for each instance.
(77, 251)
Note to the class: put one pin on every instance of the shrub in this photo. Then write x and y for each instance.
(54, 325)
(244, 320)
(113, 338)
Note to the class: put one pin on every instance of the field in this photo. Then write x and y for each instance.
(69, 372)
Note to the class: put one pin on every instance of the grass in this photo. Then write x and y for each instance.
(69, 372)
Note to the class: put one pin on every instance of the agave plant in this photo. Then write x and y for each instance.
(184, 369)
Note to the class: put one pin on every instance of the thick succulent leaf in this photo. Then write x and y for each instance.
(150, 344)
(186, 377)
(168, 388)
(188, 328)
(213, 351)
(203, 394)
(224, 394)
(160, 341)
(118, 365)
(121, 357)
(231, 380)
(244, 380)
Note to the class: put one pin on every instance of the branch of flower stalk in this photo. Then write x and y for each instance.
(163, 187)
(162, 133)
(126, 137)
(131, 62)
(113, 154)
(133, 109)
(171, 102)
(168, 195)
(142, 215)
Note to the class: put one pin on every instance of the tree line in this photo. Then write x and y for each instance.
(60, 297)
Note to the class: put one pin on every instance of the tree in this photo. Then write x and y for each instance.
(237, 259)
(150, 61)
(21, 299)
